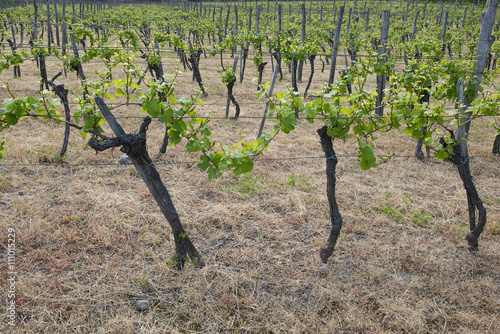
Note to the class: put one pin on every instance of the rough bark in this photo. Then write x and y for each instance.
(311, 61)
(43, 72)
(260, 69)
(335, 217)
(233, 100)
(17, 69)
(134, 145)
(475, 204)
(496, 145)
(425, 97)
(381, 79)
(196, 71)
(230, 96)
(62, 93)
(335, 47)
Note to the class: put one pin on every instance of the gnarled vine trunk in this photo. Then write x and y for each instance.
(335, 217)
(496, 145)
(134, 145)
(474, 202)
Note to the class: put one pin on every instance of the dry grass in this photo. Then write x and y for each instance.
(91, 240)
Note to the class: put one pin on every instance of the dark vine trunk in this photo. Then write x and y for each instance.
(496, 145)
(260, 69)
(474, 202)
(134, 145)
(311, 61)
(342, 75)
(17, 69)
(424, 98)
(335, 217)
(193, 59)
(182, 57)
(43, 72)
(277, 57)
(233, 100)
(62, 93)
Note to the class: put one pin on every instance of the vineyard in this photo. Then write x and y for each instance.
(163, 167)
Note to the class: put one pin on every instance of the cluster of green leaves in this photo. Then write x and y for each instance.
(15, 109)
(8, 59)
(228, 76)
(89, 116)
(180, 116)
(352, 115)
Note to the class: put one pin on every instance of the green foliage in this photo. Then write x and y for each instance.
(420, 219)
(394, 212)
(15, 109)
(299, 181)
(244, 185)
(184, 124)
(90, 116)
(228, 77)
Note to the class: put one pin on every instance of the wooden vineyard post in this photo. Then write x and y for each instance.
(63, 30)
(440, 16)
(414, 30)
(13, 33)
(303, 39)
(277, 54)
(247, 46)
(463, 20)
(270, 93)
(49, 28)
(367, 20)
(34, 38)
(382, 56)
(56, 17)
(335, 47)
(257, 22)
(443, 30)
(134, 145)
(227, 20)
(262, 65)
(235, 28)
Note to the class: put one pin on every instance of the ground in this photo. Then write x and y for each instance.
(91, 241)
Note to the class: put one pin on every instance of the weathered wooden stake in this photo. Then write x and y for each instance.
(335, 47)
(382, 58)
